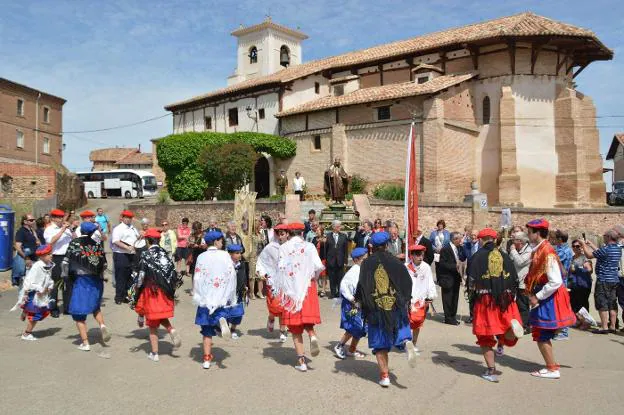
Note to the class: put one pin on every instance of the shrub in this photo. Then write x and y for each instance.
(163, 197)
(227, 167)
(388, 191)
(178, 156)
(358, 184)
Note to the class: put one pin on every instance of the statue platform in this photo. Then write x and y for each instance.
(341, 212)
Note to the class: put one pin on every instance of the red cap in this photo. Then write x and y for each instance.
(538, 224)
(152, 233)
(487, 232)
(58, 213)
(417, 248)
(127, 214)
(86, 214)
(44, 250)
(280, 227)
(295, 226)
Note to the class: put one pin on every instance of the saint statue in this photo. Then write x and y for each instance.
(336, 181)
(281, 182)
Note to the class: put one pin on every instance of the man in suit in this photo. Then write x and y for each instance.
(424, 241)
(449, 278)
(336, 257)
(395, 243)
(470, 246)
(362, 236)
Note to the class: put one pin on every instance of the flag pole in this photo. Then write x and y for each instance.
(408, 185)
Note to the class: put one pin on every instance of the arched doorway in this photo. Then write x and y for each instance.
(262, 184)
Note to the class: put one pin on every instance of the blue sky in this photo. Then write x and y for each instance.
(121, 61)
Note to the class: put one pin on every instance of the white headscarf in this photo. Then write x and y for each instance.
(214, 283)
(298, 264)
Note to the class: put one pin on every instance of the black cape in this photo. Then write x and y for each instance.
(492, 272)
(156, 265)
(384, 290)
(84, 254)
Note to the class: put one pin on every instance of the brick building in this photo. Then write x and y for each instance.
(31, 122)
(616, 153)
(120, 158)
(493, 102)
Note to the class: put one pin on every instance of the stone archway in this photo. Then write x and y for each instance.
(262, 177)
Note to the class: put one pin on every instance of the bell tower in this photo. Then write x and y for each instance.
(265, 48)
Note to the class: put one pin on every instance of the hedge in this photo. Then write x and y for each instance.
(178, 156)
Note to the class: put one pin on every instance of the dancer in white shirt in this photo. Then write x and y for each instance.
(423, 289)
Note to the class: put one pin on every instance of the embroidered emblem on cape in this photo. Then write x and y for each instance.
(384, 294)
(495, 266)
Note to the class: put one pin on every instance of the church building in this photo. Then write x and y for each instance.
(493, 103)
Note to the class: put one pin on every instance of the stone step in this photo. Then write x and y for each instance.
(306, 205)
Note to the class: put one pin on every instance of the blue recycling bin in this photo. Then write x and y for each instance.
(7, 219)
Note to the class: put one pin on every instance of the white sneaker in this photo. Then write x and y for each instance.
(29, 337)
(225, 329)
(314, 346)
(384, 382)
(85, 347)
(270, 325)
(175, 339)
(357, 354)
(490, 377)
(411, 353)
(283, 337)
(140, 321)
(302, 367)
(153, 357)
(206, 364)
(546, 374)
(234, 336)
(339, 351)
(517, 328)
(106, 336)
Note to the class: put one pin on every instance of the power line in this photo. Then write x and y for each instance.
(117, 127)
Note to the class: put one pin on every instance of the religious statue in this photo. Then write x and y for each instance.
(336, 181)
(281, 182)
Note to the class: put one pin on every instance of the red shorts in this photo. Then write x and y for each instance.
(309, 313)
(153, 304)
(298, 329)
(489, 320)
(417, 317)
(491, 341)
(154, 324)
(273, 303)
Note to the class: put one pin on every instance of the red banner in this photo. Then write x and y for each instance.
(411, 191)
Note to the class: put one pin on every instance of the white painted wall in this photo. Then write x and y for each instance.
(303, 91)
(535, 139)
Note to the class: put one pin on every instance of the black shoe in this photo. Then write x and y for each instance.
(55, 313)
(118, 302)
(469, 321)
(452, 322)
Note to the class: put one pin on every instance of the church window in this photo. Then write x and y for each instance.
(284, 56)
(383, 113)
(338, 90)
(253, 55)
(208, 123)
(261, 113)
(422, 79)
(316, 142)
(486, 110)
(233, 116)
(317, 88)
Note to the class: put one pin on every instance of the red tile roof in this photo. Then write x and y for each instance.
(136, 158)
(379, 93)
(517, 26)
(111, 154)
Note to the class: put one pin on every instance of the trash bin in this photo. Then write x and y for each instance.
(7, 219)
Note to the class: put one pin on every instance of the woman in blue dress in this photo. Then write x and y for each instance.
(84, 266)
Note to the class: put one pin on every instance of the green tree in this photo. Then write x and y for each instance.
(178, 156)
(227, 167)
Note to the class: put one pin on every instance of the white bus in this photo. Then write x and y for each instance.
(120, 183)
(148, 180)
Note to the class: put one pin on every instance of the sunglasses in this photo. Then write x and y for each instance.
(576, 246)
(30, 220)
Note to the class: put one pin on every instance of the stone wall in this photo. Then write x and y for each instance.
(202, 211)
(27, 181)
(457, 216)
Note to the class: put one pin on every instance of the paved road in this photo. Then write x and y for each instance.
(256, 374)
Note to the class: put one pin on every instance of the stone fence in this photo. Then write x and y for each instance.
(457, 215)
(202, 211)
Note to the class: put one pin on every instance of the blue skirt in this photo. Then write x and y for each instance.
(235, 314)
(380, 339)
(354, 325)
(204, 318)
(86, 295)
(35, 313)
